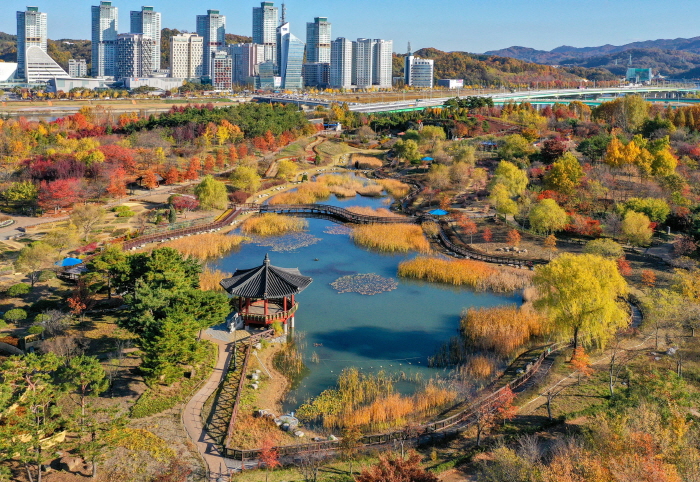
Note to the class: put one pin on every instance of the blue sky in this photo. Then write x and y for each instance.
(469, 25)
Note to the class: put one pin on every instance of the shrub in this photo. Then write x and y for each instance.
(16, 314)
(19, 289)
(123, 211)
(238, 197)
(46, 275)
(391, 238)
(273, 225)
(3, 324)
(36, 329)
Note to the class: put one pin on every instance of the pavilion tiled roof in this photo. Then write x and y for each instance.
(266, 281)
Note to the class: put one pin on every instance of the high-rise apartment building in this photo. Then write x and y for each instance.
(341, 74)
(221, 73)
(77, 68)
(318, 41)
(147, 22)
(134, 55)
(363, 63)
(186, 56)
(32, 28)
(212, 28)
(291, 59)
(105, 28)
(382, 63)
(265, 18)
(246, 60)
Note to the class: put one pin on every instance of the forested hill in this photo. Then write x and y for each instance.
(678, 58)
(478, 69)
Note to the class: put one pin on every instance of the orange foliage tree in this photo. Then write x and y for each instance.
(269, 456)
(172, 176)
(393, 468)
(232, 155)
(209, 163)
(193, 168)
(117, 183)
(514, 237)
(624, 267)
(648, 278)
(150, 181)
(468, 227)
(581, 363)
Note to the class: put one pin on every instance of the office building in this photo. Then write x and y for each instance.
(341, 69)
(212, 28)
(268, 78)
(451, 83)
(639, 75)
(147, 22)
(246, 60)
(318, 41)
(32, 31)
(105, 28)
(134, 55)
(77, 68)
(222, 70)
(316, 75)
(418, 72)
(291, 59)
(186, 56)
(382, 63)
(265, 29)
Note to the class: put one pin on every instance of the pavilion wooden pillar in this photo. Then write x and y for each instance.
(285, 303)
(265, 306)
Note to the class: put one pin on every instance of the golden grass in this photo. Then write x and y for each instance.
(272, 224)
(391, 238)
(307, 193)
(368, 211)
(366, 162)
(431, 229)
(480, 366)
(206, 245)
(371, 190)
(341, 191)
(396, 189)
(209, 279)
(463, 272)
(501, 329)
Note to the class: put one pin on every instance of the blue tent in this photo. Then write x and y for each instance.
(428, 159)
(438, 212)
(69, 262)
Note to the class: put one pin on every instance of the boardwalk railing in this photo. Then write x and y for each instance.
(333, 212)
(464, 418)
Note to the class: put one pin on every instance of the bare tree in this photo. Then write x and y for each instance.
(308, 464)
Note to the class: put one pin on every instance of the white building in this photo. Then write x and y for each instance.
(363, 63)
(105, 27)
(160, 83)
(212, 28)
(265, 18)
(222, 70)
(186, 56)
(246, 60)
(147, 22)
(77, 68)
(382, 63)
(67, 84)
(341, 70)
(40, 67)
(451, 83)
(419, 72)
(134, 55)
(32, 31)
(318, 41)
(8, 72)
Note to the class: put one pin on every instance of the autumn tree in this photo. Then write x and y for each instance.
(605, 247)
(547, 217)
(246, 179)
(501, 198)
(86, 217)
(269, 456)
(511, 177)
(507, 410)
(149, 179)
(581, 362)
(60, 193)
(117, 183)
(350, 443)
(636, 228)
(468, 227)
(193, 169)
(286, 170)
(211, 194)
(550, 243)
(35, 257)
(487, 235)
(514, 237)
(648, 278)
(565, 175)
(580, 295)
(172, 176)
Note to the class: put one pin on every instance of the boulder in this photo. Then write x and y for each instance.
(254, 386)
(298, 433)
(332, 437)
(71, 464)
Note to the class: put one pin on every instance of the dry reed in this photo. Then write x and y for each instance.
(366, 162)
(371, 190)
(501, 329)
(272, 224)
(391, 238)
(462, 272)
(209, 279)
(480, 367)
(431, 229)
(379, 212)
(396, 189)
(206, 245)
(307, 193)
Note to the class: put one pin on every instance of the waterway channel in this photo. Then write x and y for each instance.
(394, 331)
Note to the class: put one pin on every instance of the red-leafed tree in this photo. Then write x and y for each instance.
(116, 186)
(394, 468)
(150, 181)
(243, 151)
(61, 193)
(259, 143)
(172, 176)
(487, 234)
(193, 168)
(624, 267)
(185, 204)
(270, 141)
(122, 155)
(232, 155)
(506, 410)
(220, 158)
(209, 163)
(269, 456)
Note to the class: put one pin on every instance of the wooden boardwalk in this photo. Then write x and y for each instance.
(323, 210)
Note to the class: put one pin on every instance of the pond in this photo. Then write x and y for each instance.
(395, 331)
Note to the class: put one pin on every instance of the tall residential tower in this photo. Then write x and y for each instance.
(147, 22)
(318, 41)
(31, 32)
(105, 27)
(186, 56)
(212, 28)
(265, 29)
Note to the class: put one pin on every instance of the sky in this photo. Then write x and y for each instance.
(466, 25)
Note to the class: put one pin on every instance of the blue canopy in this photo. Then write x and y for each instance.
(69, 262)
(427, 159)
(438, 212)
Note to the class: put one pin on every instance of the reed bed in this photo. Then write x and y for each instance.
(501, 329)
(342, 192)
(307, 193)
(480, 367)
(206, 245)
(366, 162)
(271, 224)
(370, 402)
(431, 229)
(379, 212)
(396, 189)
(391, 238)
(463, 272)
(371, 190)
(209, 279)
(289, 361)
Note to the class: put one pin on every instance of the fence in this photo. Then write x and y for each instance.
(465, 418)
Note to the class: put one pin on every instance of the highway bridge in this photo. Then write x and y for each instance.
(591, 96)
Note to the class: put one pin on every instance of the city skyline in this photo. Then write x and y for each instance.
(469, 27)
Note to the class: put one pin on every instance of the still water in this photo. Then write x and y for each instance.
(394, 331)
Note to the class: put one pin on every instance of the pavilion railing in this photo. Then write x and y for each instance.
(272, 317)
